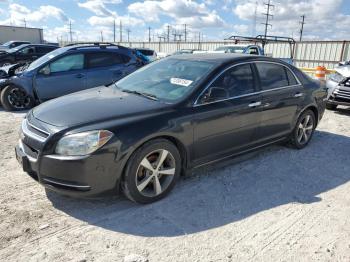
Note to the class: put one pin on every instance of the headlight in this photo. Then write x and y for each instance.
(336, 77)
(82, 143)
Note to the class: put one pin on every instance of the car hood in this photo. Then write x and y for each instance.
(93, 106)
(343, 70)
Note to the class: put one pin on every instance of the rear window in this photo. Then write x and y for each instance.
(272, 75)
(103, 59)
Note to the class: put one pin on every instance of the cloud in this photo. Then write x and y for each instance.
(98, 7)
(19, 13)
(322, 17)
(182, 11)
(108, 21)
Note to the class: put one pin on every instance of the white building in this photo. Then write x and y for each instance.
(33, 35)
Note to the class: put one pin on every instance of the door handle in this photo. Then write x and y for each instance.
(255, 104)
(79, 75)
(299, 95)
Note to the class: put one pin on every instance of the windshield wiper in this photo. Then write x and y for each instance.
(149, 96)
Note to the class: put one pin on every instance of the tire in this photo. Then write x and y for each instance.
(299, 139)
(23, 100)
(331, 107)
(145, 185)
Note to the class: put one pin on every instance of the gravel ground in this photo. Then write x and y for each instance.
(277, 204)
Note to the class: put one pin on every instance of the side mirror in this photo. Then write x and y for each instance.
(214, 94)
(45, 70)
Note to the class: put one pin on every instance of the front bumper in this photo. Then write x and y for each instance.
(83, 176)
(338, 94)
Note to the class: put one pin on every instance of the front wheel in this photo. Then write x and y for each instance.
(14, 98)
(303, 130)
(152, 171)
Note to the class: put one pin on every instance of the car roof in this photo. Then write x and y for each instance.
(223, 58)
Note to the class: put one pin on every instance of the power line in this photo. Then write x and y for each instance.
(302, 27)
(168, 32)
(149, 34)
(128, 32)
(120, 31)
(268, 15)
(114, 30)
(70, 31)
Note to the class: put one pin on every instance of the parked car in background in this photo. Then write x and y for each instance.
(12, 44)
(178, 113)
(149, 53)
(25, 53)
(184, 51)
(338, 85)
(66, 70)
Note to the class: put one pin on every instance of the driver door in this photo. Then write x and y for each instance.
(26, 54)
(227, 115)
(61, 77)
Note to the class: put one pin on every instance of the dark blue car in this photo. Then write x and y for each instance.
(66, 70)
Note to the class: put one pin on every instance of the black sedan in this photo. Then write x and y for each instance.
(139, 134)
(25, 53)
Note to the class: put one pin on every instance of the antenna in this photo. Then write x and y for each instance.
(302, 27)
(269, 6)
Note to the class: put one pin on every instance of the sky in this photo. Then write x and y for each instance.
(92, 20)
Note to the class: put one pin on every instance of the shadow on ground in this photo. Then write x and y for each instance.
(227, 192)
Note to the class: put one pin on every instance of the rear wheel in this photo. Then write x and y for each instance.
(14, 98)
(331, 107)
(152, 171)
(303, 130)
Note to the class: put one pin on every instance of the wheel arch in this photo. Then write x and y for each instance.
(175, 141)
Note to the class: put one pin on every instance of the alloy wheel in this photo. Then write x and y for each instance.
(155, 173)
(18, 98)
(305, 129)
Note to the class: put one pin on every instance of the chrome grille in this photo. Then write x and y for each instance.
(33, 132)
(343, 93)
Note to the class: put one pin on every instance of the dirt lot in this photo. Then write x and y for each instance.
(278, 204)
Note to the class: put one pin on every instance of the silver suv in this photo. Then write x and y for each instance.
(338, 85)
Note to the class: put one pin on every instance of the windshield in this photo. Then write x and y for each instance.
(168, 80)
(231, 49)
(7, 43)
(46, 58)
(15, 49)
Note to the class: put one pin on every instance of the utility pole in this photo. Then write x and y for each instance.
(128, 31)
(101, 36)
(185, 33)
(268, 15)
(70, 31)
(114, 30)
(168, 32)
(120, 31)
(149, 34)
(25, 22)
(302, 27)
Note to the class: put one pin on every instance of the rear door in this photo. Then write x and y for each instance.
(104, 68)
(63, 76)
(223, 126)
(282, 96)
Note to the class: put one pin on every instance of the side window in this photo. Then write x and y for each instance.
(234, 82)
(291, 78)
(102, 59)
(68, 63)
(253, 51)
(43, 49)
(272, 75)
(27, 50)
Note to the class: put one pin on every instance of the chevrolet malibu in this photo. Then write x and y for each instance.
(141, 133)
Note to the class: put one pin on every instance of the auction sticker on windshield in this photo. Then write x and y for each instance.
(180, 81)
